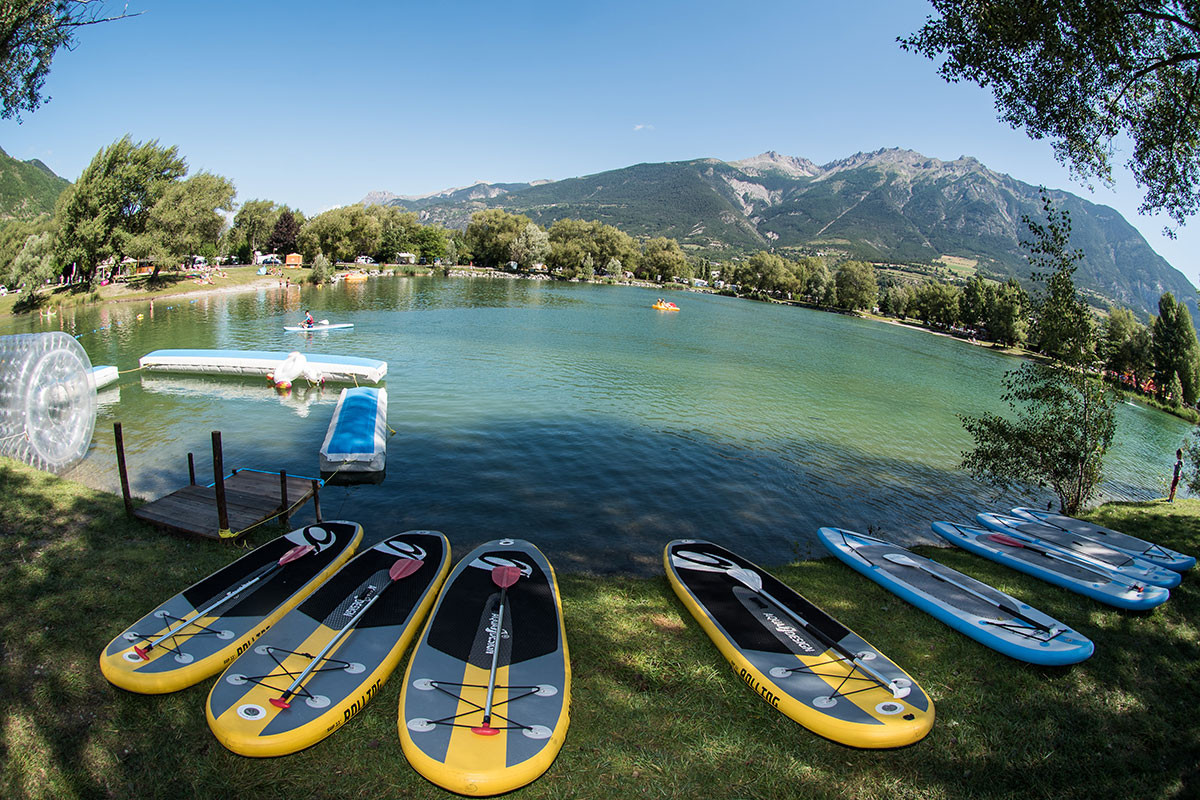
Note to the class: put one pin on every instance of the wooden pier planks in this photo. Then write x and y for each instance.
(250, 498)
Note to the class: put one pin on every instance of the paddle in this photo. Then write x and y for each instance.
(401, 569)
(503, 577)
(1073, 559)
(1015, 527)
(753, 581)
(297, 552)
(903, 560)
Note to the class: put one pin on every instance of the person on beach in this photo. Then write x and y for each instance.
(308, 319)
(1175, 477)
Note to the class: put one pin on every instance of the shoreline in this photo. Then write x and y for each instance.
(459, 271)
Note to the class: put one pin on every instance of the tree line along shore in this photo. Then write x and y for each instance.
(135, 205)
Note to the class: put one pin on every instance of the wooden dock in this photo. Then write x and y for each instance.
(228, 507)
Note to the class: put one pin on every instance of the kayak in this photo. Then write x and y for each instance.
(320, 665)
(1154, 553)
(201, 630)
(484, 708)
(1055, 566)
(665, 307)
(1087, 550)
(987, 615)
(799, 659)
(320, 326)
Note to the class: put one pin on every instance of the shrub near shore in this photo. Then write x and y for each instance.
(656, 712)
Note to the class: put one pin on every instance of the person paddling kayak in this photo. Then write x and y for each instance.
(308, 319)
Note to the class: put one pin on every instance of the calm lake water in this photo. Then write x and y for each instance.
(579, 418)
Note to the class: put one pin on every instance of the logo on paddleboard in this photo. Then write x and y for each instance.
(490, 562)
(790, 631)
(701, 562)
(401, 548)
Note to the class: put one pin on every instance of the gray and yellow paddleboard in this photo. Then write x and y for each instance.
(476, 623)
(201, 630)
(795, 656)
(320, 665)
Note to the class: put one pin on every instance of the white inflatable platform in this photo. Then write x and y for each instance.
(343, 369)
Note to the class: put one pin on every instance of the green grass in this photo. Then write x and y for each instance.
(656, 712)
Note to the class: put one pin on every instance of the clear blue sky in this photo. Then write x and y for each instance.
(314, 104)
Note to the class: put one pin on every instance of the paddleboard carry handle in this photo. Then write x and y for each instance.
(294, 554)
(401, 569)
(753, 581)
(504, 577)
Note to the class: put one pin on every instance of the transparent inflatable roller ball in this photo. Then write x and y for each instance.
(47, 400)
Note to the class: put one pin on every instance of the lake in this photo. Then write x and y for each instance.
(578, 417)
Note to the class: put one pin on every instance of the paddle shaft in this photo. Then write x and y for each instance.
(908, 562)
(1028, 537)
(1064, 556)
(341, 634)
(883, 681)
(491, 689)
(204, 612)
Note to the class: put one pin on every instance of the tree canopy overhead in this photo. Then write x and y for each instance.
(1084, 73)
(31, 32)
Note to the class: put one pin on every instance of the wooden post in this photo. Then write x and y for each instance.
(317, 498)
(219, 485)
(283, 498)
(191, 469)
(120, 441)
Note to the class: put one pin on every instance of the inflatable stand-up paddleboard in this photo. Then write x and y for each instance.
(319, 665)
(1154, 553)
(971, 607)
(484, 708)
(1054, 566)
(798, 658)
(201, 630)
(1087, 550)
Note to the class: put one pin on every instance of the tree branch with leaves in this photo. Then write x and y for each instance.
(1084, 73)
(31, 33)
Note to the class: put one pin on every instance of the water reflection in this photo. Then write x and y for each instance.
(578, 417)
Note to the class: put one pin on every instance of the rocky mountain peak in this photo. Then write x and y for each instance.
(772, 161)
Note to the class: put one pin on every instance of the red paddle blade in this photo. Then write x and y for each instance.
(279, 702)
(404, 567)
(486, 730)
(1008, 540)
(505, 577)
(299, 551)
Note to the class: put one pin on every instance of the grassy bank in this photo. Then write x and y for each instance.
(655, 711)
(167, 285)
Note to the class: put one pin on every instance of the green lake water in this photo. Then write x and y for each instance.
(578, 417)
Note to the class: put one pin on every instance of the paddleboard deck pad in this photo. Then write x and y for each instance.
(442, 721)
(987, 615)
(201, 630)
(1154, 553)
(1055, 567)
(799, 659)
(1089, 550)
(348, 635)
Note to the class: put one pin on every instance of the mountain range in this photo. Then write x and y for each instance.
(890, 206)
(27, 188)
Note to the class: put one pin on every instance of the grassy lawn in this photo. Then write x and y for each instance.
(656, 712)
